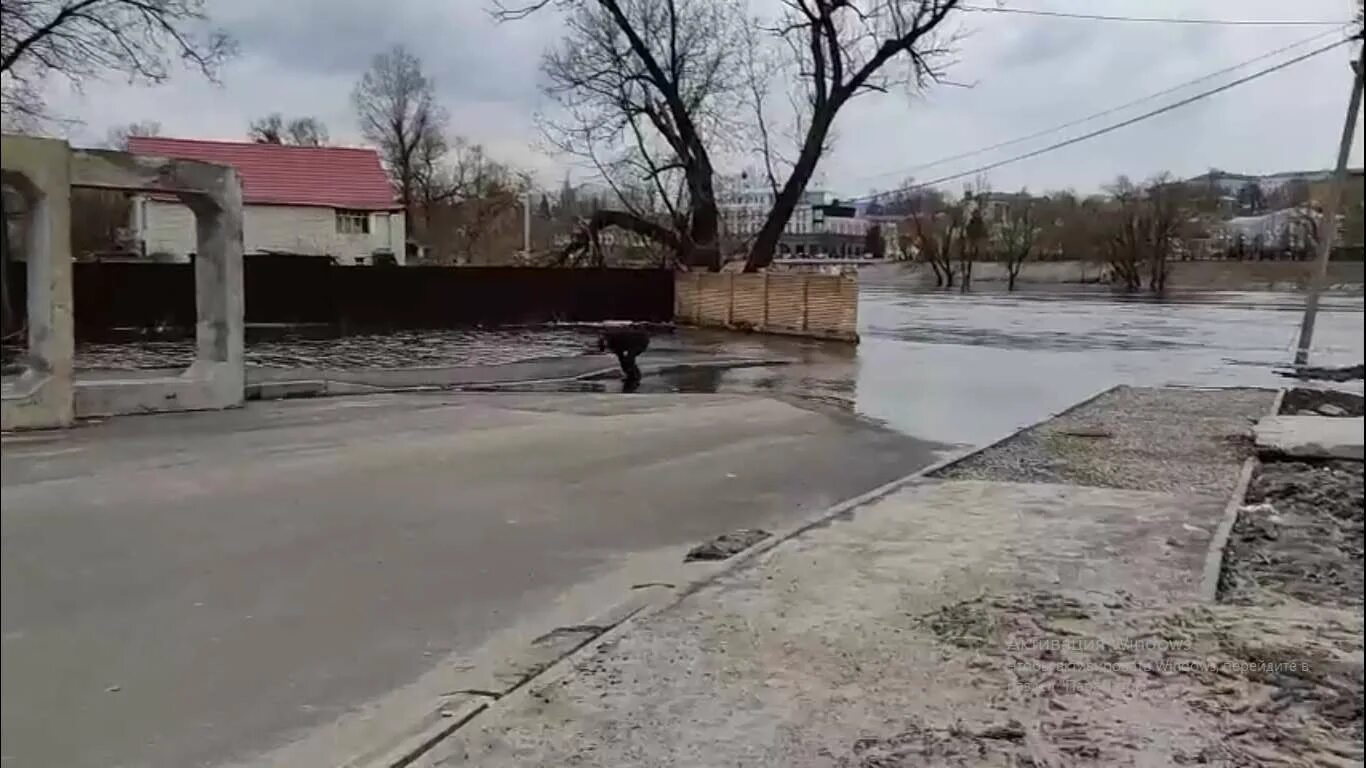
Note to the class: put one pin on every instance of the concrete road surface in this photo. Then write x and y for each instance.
(199, 589)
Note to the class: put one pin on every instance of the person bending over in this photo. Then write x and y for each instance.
(626, 344)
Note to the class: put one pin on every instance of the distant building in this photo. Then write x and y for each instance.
(332, 202)
(809, 232)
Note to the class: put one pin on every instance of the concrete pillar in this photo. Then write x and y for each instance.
(218, 273)
(41, 170)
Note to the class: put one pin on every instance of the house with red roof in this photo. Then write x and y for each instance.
(330, 202)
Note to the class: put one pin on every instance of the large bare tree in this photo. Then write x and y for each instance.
(838, 50)
(658, 88)
(397, 109)
(88, 39)
(644, 91)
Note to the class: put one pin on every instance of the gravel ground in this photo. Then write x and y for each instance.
(1173, 440)
(1299, 536)
(1092, 683)
(1273, 676)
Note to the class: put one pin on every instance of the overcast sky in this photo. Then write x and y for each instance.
(301, 57)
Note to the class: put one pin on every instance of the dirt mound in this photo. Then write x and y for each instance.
(1300, 536)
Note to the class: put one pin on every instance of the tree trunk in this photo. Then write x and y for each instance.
(586, 238)
(1011, 273)
(938, 276)
(704, 234)
(766, 242)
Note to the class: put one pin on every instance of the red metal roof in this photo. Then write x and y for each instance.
(276, 174)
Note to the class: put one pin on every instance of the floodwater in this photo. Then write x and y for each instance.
(967, 369)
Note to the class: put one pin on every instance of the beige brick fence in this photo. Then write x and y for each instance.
(821, 306)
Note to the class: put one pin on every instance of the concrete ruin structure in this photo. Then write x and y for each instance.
(47, 394)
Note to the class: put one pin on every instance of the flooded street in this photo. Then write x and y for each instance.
(967, 369)
(957, 369)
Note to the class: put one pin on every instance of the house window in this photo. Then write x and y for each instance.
(353, 223)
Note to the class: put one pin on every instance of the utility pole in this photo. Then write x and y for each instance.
(1330, 216)
(526, 224)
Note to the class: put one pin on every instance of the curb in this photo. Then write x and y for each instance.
(618, 619)
(1214, 557)
(463, 706)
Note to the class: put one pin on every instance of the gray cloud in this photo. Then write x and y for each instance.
(303, 56)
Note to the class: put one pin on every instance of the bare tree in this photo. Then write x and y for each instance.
(472, 199)
(840, 49)
(306, 132)
(395, 104)
(1167, 228)
(646, 90)
(651, 85)
(1015, 242)
(117, 137)
(300, 131)
(971, 243)
(1144, 226)
(85, 39)
(937, 234)
(267, 130)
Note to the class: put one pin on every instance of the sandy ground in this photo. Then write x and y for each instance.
(1002, 620)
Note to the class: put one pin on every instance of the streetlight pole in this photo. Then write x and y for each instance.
(1330, 217)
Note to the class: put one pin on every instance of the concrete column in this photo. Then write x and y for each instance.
(41, 170)
(218, 271)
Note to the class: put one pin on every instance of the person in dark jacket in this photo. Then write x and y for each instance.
(626, 344)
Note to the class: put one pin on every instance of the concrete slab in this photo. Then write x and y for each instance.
(832, 636)
(1312, 437)
(199, 588)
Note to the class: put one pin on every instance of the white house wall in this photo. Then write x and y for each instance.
(169, 228)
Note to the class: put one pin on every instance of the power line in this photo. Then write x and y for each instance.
(1156, 19)
(1097, 115)
(1115, 127)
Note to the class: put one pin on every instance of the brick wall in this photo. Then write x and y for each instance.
(822, 306)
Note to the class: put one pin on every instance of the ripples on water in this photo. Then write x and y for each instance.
(968, 368)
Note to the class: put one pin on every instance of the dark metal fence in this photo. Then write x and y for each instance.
(112, 295)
